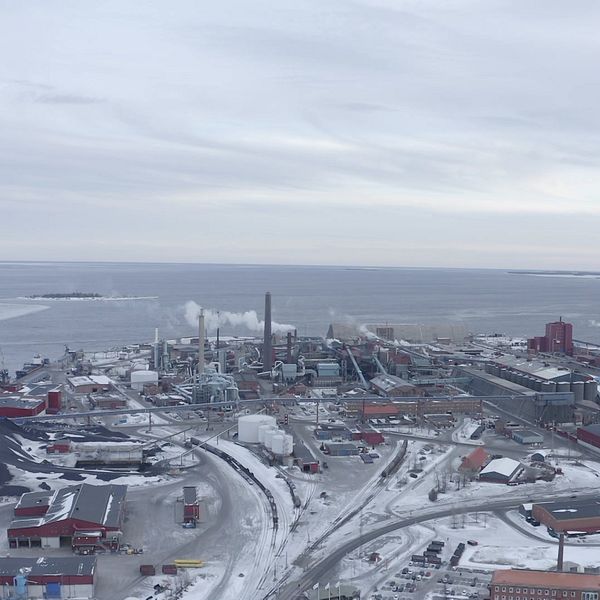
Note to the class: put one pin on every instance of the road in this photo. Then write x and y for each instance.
(316, 571)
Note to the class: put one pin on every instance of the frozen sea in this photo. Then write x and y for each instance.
(307, 297)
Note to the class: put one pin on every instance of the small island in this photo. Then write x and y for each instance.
(67, 296)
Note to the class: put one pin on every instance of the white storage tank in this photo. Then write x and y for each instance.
(140, 378)
(288, 445)
(261, 432)
(278, 443)
(269, 437)
(249, 425)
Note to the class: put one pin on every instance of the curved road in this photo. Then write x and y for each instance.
(314, 573)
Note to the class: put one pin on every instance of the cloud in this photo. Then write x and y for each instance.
(363, 114)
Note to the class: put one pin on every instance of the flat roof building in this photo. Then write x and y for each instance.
(501, 470)
(569, 516)
(524, 584)
(48, 577)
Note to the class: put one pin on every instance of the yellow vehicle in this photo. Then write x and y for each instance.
(188, 563)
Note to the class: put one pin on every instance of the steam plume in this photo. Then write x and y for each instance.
(214, 319)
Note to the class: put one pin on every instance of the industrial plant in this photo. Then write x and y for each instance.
(408, 424)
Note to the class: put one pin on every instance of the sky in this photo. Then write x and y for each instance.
(455, 133)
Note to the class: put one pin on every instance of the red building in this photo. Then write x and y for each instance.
(589, 435)
(15, 405)
(54, 520)
(521, 584)
(558, 338)
(48, 577)
(475, 461)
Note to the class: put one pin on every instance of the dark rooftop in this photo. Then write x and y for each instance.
(34, 499)
(564, 510)
(98, 504)
(55, 565)
(18, 401)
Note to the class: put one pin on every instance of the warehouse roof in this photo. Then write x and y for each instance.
(55, 565)
(566, 510)
(547, 579)
(534, 368)
(18, 401)
(503, 466)
(99, 504)
(34, 499)
(387, 383)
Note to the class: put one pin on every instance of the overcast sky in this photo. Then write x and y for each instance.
(365, 132)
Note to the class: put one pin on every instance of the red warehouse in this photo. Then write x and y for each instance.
(15, 405)
(84, 507)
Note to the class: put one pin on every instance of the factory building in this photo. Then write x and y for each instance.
(569, 516)
(501, 470)
(558, 339)
(16, 405)
(108, 454)
(589, 436)
(341, 449)
(390, 385)
(90, 384)
(527, 437)
(110, 401)
(47, 577)
(54, 520)
(522, 584)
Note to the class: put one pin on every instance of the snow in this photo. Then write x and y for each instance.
(504, 466)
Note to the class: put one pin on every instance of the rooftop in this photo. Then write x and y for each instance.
(504, 466)
(34, 499)
(98, 504)
(390, 382)
(566, 510)
(71, 565)
(547, 579)
(18, 401)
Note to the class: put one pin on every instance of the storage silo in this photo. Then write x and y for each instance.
(269, 433)
(248, 427)
(504, 373)
(590, 390)
(563, 386)
(278, 443)
(262, 430)
(548, 386)
(578, 389)
(288, 444)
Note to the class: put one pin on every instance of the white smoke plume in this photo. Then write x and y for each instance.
(214, 319)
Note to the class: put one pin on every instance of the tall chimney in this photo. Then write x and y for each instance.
(201, 342)
(289, 347)
(268, 342)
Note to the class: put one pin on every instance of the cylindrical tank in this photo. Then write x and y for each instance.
(548, 386)
(504, 373)
(269, 433)
(578, 389)
(288, 444)
(563, 386)
(248, 427)
(590, 390)
(277, 443)
(262, 429)
(538, 385)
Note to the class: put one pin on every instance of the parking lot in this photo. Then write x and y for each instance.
(440, 582)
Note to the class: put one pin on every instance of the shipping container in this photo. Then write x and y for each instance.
(169, 569)
(147, 570)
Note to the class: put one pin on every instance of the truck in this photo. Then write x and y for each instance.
(147, 570)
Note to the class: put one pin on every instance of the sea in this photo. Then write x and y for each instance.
(146, 296)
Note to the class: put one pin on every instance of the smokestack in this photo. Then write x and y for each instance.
(289, 347)
(201, 342)
(268, 342)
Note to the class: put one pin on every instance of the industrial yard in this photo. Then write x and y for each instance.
(363, 464)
